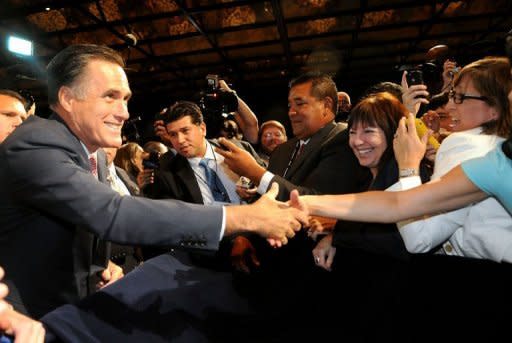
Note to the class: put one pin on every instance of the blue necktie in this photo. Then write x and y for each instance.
(212, 179)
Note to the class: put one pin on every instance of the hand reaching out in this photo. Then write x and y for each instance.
(269, 218)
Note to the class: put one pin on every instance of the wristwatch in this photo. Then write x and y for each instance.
(406, 172)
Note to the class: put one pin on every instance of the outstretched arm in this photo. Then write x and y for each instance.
(267, 217)
(452, 191)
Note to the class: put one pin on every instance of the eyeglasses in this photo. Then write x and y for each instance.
(273, 134)
(459, 98)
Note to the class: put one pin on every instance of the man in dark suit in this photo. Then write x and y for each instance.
(317, 160)
(53, 210)
(182, 177)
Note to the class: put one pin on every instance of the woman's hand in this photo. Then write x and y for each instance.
(324, 253)
(408, 147)
(413, 96)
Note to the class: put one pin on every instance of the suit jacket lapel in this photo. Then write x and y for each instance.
(281, 157)
(184, 171)
(102, 166)
(313, 145)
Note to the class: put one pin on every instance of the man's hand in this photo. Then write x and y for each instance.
(145, 177)
(240, 161)
(110, 275)
(161, 132)
(267, 217)
(24, 329)
(4, 306)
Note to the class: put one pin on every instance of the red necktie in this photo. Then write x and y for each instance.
(94, 166)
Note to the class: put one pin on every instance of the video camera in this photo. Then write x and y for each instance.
(216, 104)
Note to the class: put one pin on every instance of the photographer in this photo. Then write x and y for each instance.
(244, 117)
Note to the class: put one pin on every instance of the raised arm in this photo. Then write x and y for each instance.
(244, 117)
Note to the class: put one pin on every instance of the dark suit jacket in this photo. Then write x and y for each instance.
(51, 209)
(326, 166)
(175, 179)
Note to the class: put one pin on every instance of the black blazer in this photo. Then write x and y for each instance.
(326, 166)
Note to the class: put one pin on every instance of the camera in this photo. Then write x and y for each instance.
(414, 77)
(216, 104)
(153, 161)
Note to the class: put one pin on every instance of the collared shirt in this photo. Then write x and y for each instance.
(268, 176)
(226, 176)
(115, 182)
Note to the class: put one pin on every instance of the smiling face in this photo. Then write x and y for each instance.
(12, 113)
(187, 138)
(368, 144)
(307, 113)
(471, 113)
(271, 137)
(96, 106)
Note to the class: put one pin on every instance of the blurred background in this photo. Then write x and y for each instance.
(256, 46)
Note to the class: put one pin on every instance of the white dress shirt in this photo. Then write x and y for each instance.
(480, 230)
(226, 176)
(268, 176)
(115, 182)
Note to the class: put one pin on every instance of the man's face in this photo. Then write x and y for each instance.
(344, 104)
(12, 113)
(188, 139)
(99, 105)
(271, 137)
(307, 114)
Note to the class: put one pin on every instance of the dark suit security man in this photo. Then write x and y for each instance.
(184, 176)
(53, 210)
(317, 160)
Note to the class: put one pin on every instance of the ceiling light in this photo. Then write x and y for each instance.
(20, 46)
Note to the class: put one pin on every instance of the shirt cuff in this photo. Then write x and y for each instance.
(401, 185)
(405, 183)
(265, 182)
(223, 225)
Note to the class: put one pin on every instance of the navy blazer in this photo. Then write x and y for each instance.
(52, 208)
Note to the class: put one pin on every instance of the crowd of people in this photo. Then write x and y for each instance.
(200, 238)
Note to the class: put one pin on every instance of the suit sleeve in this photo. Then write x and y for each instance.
(48, 178)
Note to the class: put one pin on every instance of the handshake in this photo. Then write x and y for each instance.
(274, 220)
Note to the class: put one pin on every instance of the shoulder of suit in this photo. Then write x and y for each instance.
(43, 133)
